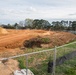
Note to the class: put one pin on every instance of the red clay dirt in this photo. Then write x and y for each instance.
(15, 38)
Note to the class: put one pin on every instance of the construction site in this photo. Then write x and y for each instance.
(12, 44)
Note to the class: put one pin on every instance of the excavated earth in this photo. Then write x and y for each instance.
(12, 40)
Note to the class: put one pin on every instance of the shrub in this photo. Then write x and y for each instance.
(36, 42)
(45, 40)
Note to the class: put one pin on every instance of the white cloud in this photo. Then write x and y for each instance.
(31, 9)
(16, 10)
(73, 14)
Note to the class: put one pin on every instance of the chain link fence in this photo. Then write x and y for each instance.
(67, 55)
(47, 62)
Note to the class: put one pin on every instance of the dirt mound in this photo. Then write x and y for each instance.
(19, 36)
(8, 67)
(61, 38)
(15, 38)
(3, 31)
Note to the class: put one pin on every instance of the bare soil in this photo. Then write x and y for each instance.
(12, 41)
(9, 67)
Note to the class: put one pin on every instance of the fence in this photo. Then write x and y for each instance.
(38, 62)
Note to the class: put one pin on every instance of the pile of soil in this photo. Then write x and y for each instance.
(8, 67)
(61, 38)
(16, 38)
(3, 31)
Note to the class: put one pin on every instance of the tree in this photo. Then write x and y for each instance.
(74, 25)
(65, 23)
(36, 24)
(28, 23)
(57, 25)
(40, 24)
(16, 26)
(70, 25)
(10, 26)
(21, 23)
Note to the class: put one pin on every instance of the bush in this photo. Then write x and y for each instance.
(36, 42)
(45, 40)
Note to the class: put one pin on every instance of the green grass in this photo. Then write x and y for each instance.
(29, 50)
(38, 62)
(40, 69)
(46, 40)
(67, 49)
(68, 68)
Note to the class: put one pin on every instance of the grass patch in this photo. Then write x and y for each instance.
(45, 40)
(22, 63)
(68, 68)
(40, 68)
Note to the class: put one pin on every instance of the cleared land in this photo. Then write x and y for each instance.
(13, 40)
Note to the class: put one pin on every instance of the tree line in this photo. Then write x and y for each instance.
(43, 24)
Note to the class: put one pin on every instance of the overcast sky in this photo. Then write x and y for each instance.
(12, 11)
